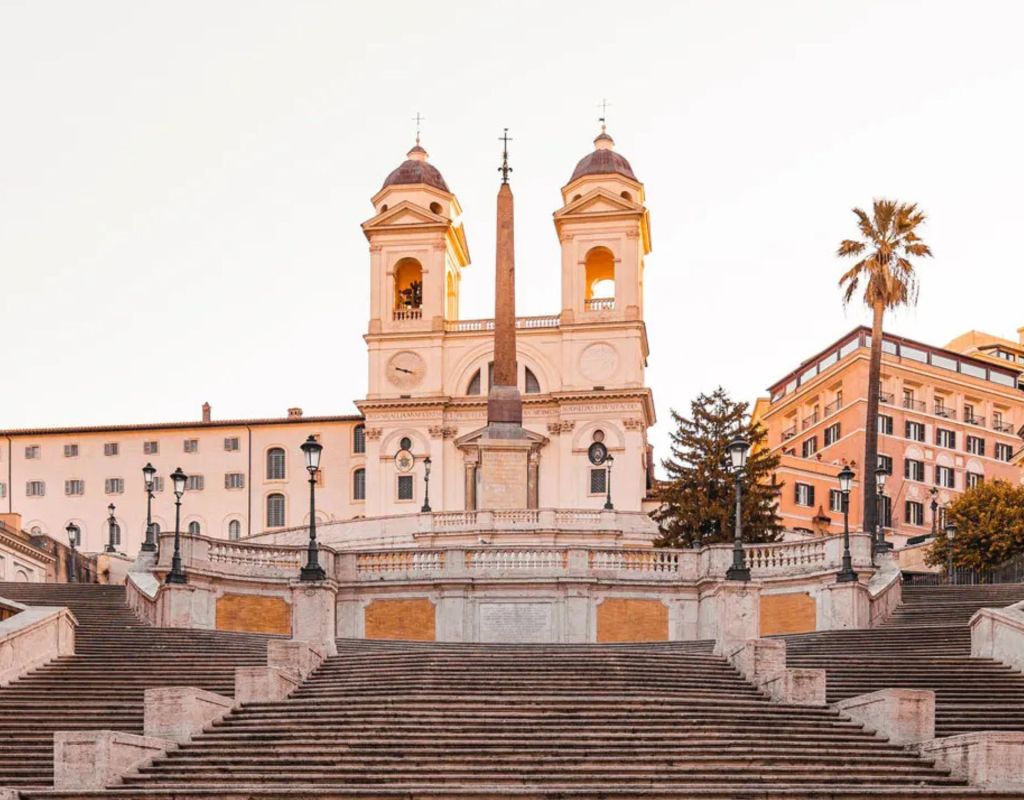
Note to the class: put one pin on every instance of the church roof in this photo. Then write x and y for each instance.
(416, 169)
(603, 161)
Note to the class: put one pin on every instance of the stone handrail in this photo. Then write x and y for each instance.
(885, 590)
(140, 590)
(32, 637)
(998, 633)
(241, 558)
(475, 325)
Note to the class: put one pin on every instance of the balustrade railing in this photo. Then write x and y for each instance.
(781, 556)
(392, 561)
(262, 556)
(599, 304)
(401, 314)
(659, 562)
(516, 559)
(522, 323)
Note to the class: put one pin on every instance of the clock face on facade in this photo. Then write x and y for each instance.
(406, 369)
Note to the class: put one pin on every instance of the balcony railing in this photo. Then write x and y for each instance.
(915, 405)
(886, 397)
(599, 304)
(1002, 427)
(809, 420)
(833, 407)
(522, 323)
(401, 314)
(789, 433)
(973, 420)
(945, 413)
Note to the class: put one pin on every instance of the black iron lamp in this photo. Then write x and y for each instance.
(881, 473)
(846, 573)
(311, 449)
(73, 533)
(111, 530)
(148, 475)
(608, 460)
(950, 536)
(737, 451)
(177, 574)
(426, 486)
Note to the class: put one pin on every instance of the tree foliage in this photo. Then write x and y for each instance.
(698, 499)
(989, 521)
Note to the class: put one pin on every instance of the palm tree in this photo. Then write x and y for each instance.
(888, 238)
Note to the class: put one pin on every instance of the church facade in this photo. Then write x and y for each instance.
(579, 370)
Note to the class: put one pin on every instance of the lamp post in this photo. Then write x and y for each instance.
(426, 486)
(111, 527)
(846, 574)
(609, 460)
(737, 450)
(950, 536)
(177, 574)
(935, 510)
(311, 448)
(880, 544)
(148, 473)
(73, 533)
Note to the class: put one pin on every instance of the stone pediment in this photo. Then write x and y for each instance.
(473, 437)
(405, 214)
(598, 201)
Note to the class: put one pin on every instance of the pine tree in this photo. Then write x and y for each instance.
(698, 499)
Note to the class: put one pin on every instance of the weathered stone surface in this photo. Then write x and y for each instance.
(738, 615)
(759, 660)
(263, 684)
(627, 619)
(313, 613)
(998, 633)
(95, 759)
(517, 622)
(903, 716)
(178, 713)
(845, 606)
(296, 658)
(32, 637)
(253, 613)
(992, 759)
(412, 618)
(503, 479)
(793, 612)
(797, 687)
(186, 606)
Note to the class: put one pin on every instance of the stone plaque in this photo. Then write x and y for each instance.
(502, 478)
(516, 622)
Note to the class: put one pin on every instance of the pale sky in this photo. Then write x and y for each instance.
(181, 183)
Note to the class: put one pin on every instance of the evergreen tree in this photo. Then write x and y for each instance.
(699, 500)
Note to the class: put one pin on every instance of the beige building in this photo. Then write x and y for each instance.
(580, 371)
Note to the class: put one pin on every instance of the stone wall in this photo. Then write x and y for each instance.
(250, 613)
(795, 612)
(401, 618)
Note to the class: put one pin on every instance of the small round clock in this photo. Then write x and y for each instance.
(406, 369)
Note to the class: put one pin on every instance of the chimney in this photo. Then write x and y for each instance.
(1020, 334)
(206, 412)
(294, 413)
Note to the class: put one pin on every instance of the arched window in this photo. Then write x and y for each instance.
(115, 534)
(156, 528)
(408, 285)
(359, 439)
(234, 529)
(600, 279)
(359, 484)
(474, 384)
(194, 528)
(275, 510)
(275, 464)
(532, 384)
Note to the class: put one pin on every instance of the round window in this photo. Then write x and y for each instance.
(599, 435)
(405, 444)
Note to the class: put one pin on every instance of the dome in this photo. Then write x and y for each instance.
(603, 161)
(416, 170)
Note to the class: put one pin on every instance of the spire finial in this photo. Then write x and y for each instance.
(504, 169)
(603, 119)
(418, 119)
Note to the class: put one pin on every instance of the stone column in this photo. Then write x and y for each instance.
(313, 614)
(533, 480)
(470, 484)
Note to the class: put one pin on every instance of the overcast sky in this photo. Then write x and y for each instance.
(181, 183)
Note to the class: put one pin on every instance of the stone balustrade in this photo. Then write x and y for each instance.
(33, 636)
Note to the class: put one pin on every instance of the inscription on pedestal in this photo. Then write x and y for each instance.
(516, 622)
(503, 479)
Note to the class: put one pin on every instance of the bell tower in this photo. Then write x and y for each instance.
(605, 234)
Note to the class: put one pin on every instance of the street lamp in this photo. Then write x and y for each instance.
(177, 574)
(846, 574)
(111, 528)
(880, 475)
(609, 460)
(311, 448)
(950, 536)
(935, 510)
(148, 473)
(737, 450)
(73, 533)
(426, 486)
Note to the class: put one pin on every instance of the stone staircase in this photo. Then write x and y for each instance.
(419, 720)
(101, 686)
(926, 644)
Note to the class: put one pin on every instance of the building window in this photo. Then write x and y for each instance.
(156, 528)
(914, 512)
(359, 484)
(975, 445)
(1004, 452)
(194, 528)
(913, 470)
(191, 445)
(32, 452)
(974, 479)
(809, 447)
(158, 483)
(405, 487)
(835, 500)
(532, 384)
(405, 443)
(945, 477)
(832, 433)
(804, 494)
(195, 483)
(275, 464)
(885, 424)
(234, 529)
(234, 480)
(915, 431)
(945, 438)
(35, 489)
(70, 451)
(111, 449)
(114, 532)
(150, 448)
(599, 481)
(231, 444)
(885, 462)
(114, 486)
(886, 502)
(74, 488)
(3, 490)
(474, 384)
(359, 439)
